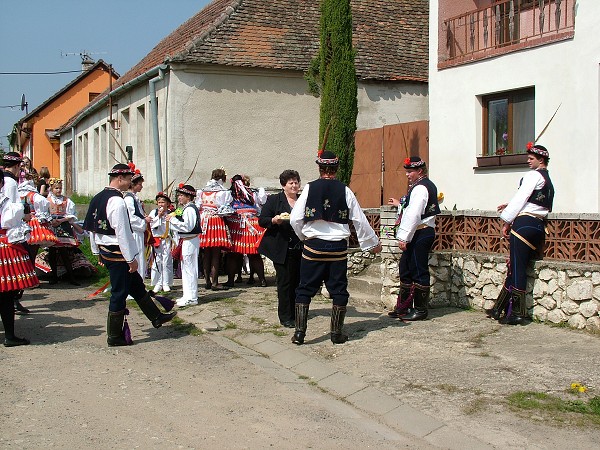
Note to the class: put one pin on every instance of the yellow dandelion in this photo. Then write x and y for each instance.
(575, 385)
(440, 197)
(582, 389)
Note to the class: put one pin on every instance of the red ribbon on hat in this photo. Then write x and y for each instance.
(131, 165)
(181, 185)
(407, 162)
(529, 145)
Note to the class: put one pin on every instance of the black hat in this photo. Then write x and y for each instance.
(163, 195)
(137, 176)
(538, 150)
(121, 169)
(186, 189)
(327, 158)
(12, 159)
(414, 162)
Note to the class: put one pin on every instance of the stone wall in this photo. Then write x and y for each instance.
(557, 291)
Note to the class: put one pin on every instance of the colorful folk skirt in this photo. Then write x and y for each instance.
(246, 234)
(214, 232)
(16, 269)
(41, 234)
(65, 235)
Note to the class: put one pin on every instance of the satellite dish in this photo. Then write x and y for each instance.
(24, 104)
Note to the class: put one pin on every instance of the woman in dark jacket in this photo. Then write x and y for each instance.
(281, 245)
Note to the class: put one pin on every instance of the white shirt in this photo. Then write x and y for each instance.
(158, 224)
(190, 219)
(531, 181)
(118, 218)
(332, 231)
(411, 215)
(11, 214)
(137, 223)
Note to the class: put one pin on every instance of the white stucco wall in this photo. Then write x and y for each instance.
(248, 121)
(382, 104)
(564, 73)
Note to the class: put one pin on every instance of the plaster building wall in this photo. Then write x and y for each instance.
(565, 73)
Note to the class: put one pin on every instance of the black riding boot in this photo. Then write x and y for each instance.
(19, 308)
(301, 323)
(152, 312)
(496, 311)
(421, 298)
(7, 314)
(338, 313)
(517, 309)
(404, 301)
(114, 329)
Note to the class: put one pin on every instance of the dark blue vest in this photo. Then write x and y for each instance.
(197, 229)
(326, 201)
(432, 208)
(96, 220)
(136, 205)
(543, 197)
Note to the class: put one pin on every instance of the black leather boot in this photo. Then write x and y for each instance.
(421, 298)
(301, 323)
(338, 314)
(7, 314)
(114, 329)
(517, 309)
(404, 301)
(496, 311)
(152, 312)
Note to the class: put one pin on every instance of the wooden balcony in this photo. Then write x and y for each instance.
(503, 27)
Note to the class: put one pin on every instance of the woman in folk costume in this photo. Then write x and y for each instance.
(41, 235)
(62, 210)
(137, 217)
(16, 271)
(212, 200)
(187, 225)
(162, 267)
(245, 232)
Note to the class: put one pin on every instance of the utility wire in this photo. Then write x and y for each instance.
(38, 73)
(10, 106)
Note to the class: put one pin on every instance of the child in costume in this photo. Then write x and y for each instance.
(137, 217)
(162, 268)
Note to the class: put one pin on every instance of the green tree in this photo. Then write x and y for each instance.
(332, 76)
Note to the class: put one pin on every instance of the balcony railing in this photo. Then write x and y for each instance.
(506, 26)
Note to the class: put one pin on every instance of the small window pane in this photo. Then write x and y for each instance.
(523, 120)
(497, 127)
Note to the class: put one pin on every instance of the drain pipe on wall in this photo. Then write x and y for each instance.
(154, 123)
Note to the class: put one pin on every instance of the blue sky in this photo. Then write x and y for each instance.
(33, 34)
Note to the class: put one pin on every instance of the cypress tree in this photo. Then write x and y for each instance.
(332, 76)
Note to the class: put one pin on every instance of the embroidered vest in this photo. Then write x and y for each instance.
(326, 201)
(543, 197)
(432, 207)
(57, 210)
(96, 220)
(197, 229)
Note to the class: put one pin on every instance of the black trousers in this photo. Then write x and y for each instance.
(414, 261)
(532, 230)
(288, 278)
(122, 284)
(324, 261)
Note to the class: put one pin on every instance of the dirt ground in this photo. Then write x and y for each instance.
(176, 390)
(457, 366)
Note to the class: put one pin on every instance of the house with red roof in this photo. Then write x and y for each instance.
(227, 89)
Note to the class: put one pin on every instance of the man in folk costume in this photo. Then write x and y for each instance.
(137, 217)
(12, 169)
(321, 219)
(111, 238)
(415, 234)
(162, 267)
(16, 272)
(524, 218)
(188, 228)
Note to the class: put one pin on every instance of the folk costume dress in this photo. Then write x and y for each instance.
(162, 267)
(41, 232)
(16, 269)
(61, 207)
(244, 229)
(138, 225)
(211, 201)
(187, 227)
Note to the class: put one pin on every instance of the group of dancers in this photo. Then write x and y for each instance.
(199, 224)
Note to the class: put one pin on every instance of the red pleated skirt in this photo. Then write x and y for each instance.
(16, 269)
(246, 234)
(41, 234)
(215, 232)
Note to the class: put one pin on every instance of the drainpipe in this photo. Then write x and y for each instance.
(73, 161)
(154, 123)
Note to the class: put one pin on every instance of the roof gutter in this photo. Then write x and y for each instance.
(115, 92)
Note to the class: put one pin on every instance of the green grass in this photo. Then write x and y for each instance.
(80, 199)
(101, 276)
(185, 327)
(556, 407)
